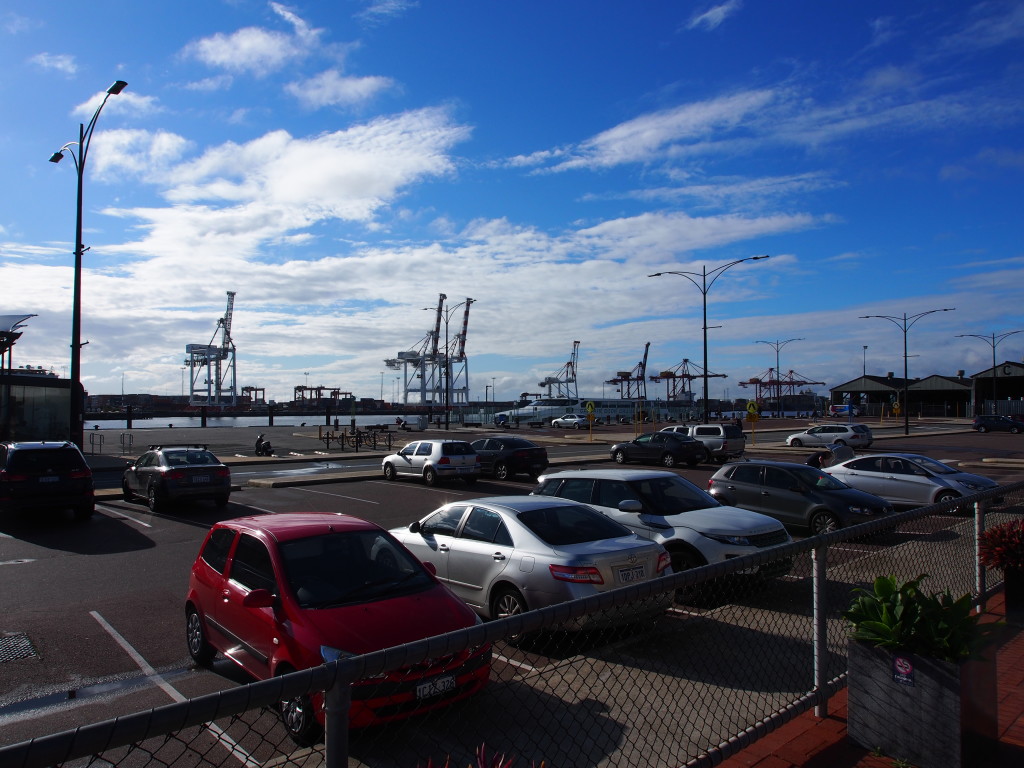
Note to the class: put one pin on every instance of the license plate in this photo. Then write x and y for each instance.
(631, 574)
(467, 469)
(49, 479)
(435, 687)
(200, 478)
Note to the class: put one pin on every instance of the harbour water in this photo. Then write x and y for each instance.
(241, 421)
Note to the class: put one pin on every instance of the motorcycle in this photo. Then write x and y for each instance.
(263, 447)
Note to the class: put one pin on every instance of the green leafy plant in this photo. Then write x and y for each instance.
(1002, 546)
(483, 761)
(897, 615)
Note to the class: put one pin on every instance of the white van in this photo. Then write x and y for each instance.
(839, 411)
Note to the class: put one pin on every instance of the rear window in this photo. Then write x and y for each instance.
(456, 449)
(563, 525)
(41, 460)
(861, 428)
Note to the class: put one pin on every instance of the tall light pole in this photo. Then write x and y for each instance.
(704, 286)
(993, 340)
(905, 323)
(864, 363)
(75, 412)
(777, 345)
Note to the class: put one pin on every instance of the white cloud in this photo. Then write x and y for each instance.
(211, 84)
(60, 62)
(714, 16)
(125, 102)
(331, 88)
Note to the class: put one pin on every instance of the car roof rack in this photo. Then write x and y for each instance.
(204, 446)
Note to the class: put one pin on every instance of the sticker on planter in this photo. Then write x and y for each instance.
(902, 670)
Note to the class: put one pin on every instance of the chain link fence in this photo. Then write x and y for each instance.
(738, 654)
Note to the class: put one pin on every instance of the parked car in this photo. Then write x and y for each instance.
(571, 421)
(505, 456)
(434, 460)
(505, 555)
(38, 476)
(994, 423)
(795, 494)
(843, 411)
(282, 593)
(853, 435)
(171, 473)
(722, 441)
(661, 448)
(694, 527)
(909, 478)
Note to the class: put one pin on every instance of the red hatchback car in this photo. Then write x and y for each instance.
(281, 593)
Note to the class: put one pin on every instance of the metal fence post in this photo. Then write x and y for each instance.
(338, 699)
(980, 587)
(819, 556)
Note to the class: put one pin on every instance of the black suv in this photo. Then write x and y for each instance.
(993, 423)
(45, 476)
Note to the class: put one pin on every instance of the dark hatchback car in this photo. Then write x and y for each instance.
(994, 423)
(665, 448)
(795, 494)
(506, 456)
(45, 476)
(169, 473)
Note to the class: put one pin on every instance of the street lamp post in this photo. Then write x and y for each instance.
(993, 341)
(84, 139)
(777, 345)
(704, 286)
(905, 323)
(864, 363)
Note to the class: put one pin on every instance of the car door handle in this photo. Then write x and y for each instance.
(765, 493)
(498, 556)
(225, 595)
(442, 548)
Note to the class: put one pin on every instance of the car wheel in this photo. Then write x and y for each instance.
(199, 649)
(1014, 430)
(982, 428)
(839, 442)
(576, 425)
(620, 457)
(824, 522)
(946, 496)
(668, 460)
(298, 719)
(154, 499)
(389, 472)
(501, 470)
(430, 476)
(509, 602)
(685, 559)
(126, 492)
(795, 443)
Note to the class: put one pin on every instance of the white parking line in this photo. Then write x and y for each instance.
(118, 513)
(337, 495)
(22, 561)
(230, 744)
(514, 663)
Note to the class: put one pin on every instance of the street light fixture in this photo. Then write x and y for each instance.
(777, 345)
(993, 340)
(905, 323)
(704, 286)
(77, 398)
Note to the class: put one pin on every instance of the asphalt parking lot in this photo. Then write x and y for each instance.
(94, 613)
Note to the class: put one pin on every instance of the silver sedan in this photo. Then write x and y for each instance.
(505, 555)
(909, 478)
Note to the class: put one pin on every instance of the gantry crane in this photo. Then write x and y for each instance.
(633, 384)
(212, 366)
(564, 379)
(769, 384)
(679, 380)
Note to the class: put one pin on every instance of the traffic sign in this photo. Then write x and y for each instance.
(590, 406)
(752, 407)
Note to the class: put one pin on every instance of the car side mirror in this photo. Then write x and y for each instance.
(414, 527)
(631, 505)
(259, 598)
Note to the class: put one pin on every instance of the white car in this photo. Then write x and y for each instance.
(570, 421)
(909, 478)
(853, 435)
(693, 526)
(434, 460)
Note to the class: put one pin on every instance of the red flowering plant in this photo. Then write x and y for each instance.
(1002, 546)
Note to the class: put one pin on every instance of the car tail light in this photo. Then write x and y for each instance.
(78, 474)
(222, 472)
(175, 474)
(578, 574)
(664, 561)
(444, 460)
(9, 477)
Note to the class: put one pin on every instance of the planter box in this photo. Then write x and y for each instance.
(933, 714)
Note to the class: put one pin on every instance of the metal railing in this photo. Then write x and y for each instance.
(737, 655)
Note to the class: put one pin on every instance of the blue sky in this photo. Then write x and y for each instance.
(338, 165)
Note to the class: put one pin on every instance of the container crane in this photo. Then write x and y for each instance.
(564, 379)
(633, 384)
(679, 380)
(212, 366)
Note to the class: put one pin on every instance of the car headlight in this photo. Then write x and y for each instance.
(736, 541)
(971, 485)
(861, 510)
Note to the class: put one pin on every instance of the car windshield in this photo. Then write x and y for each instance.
(933, 466)
(814, 478)
(672, 495)
(338, 569)
(570, 524)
